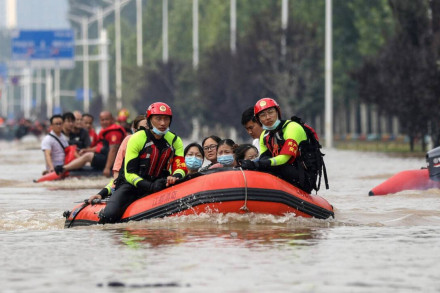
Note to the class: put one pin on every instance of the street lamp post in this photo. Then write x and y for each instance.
(118, 54)
(195, 33)
(139, 32)
(328, 76)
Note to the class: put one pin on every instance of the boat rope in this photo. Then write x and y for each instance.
(77, 212)
(244, 207)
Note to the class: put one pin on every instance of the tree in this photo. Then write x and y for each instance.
(402, 79)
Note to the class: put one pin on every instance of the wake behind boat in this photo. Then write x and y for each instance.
(225, 190)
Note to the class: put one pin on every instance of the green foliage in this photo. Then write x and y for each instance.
(403, 79)
(226, 84)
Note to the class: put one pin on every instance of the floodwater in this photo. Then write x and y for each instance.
(374, 244)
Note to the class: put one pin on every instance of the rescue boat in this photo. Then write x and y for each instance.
(406, 180)
(224, 190)
(85, 171)
(422, 179)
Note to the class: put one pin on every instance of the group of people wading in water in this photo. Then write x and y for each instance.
(154, 157)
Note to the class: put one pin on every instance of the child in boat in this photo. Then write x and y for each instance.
(245, 151)
(225, 154)
(194, 155)
(209, 145)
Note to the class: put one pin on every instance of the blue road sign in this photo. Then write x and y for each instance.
(43, 48)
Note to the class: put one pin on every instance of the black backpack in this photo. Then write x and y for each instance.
(311, 158)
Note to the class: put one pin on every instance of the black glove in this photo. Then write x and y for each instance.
(158, 184)
(262, 164)
(145, 185)
(248, 165)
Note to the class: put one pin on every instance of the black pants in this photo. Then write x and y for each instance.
(293, 175)
(118, 202)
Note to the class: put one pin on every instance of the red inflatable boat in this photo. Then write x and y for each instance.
(223, 190)
(406, 180)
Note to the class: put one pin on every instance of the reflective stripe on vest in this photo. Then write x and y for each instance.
(274, 141)
(157, 160)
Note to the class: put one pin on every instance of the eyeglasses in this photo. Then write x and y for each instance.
(210, 147)
(268, 112)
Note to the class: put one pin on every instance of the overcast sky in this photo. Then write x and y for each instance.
(38, 14)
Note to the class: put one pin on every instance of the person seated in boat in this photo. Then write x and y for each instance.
(88, 125)
(225, 154)
(123, 120)
(147, 163)
(138, 123)
(53, 144)
(79, 136)
(279, 143)
(245, 151)
(209, 145)
(102, 156)
(194, 155)
(253, 128)
(68, 122)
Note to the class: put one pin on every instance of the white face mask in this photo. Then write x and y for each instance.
(275, 125)
(158, 132)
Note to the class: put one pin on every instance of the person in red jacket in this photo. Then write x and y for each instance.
(101, 156)
(88, 124)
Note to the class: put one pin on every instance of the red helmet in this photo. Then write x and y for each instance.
(123, 115)
(264, 104)
(159, 108)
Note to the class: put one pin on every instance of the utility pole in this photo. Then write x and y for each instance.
(118, 54)
(284, 22)
(233, 26)
(85, 35)
(139, 32)
(57, 90)
(49, 98)
(328, 76)
(195, 34)
(98, 15)
(165, 31)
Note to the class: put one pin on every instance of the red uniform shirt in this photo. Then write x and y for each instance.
(113, 135)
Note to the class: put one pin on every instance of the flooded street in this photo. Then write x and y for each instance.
(374, 244)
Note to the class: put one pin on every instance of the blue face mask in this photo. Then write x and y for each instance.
(158, 132)
(225, 160)
(275, 125)
(193, 163)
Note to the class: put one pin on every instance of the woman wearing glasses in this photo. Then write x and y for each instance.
(209, 145)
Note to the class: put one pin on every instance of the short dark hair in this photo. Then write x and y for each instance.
(55, 116)
(213, 137)
(248, 115)
(68, 116)
(89, 115)
(192, 145)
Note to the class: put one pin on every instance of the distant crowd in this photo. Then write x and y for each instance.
(17, 129)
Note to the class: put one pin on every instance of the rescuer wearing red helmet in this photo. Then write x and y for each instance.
(150, 154)
(279, 143)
